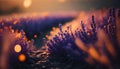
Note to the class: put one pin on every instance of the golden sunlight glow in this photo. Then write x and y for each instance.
(27, 3)
(22, 57)
(61, 1)
(17, 48)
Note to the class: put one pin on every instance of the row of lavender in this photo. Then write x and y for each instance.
(35, 24)
(67, 51)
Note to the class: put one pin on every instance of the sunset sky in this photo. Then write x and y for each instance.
(55, 5)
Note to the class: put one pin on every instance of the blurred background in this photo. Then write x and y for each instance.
(26, 6)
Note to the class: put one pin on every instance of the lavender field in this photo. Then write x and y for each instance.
(68, 40)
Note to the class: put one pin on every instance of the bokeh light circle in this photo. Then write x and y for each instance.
(22, 57)
(17, 48)
(27, 3)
